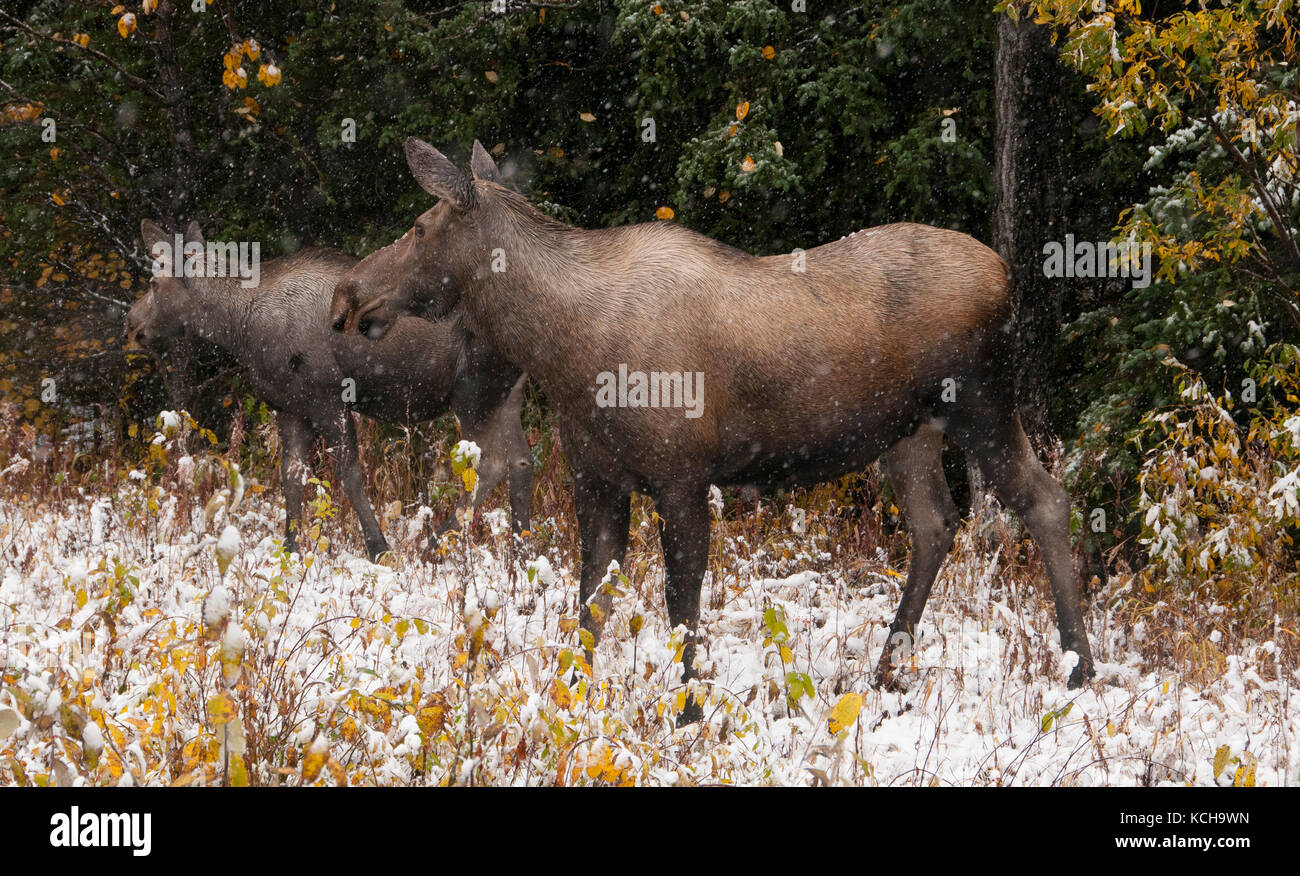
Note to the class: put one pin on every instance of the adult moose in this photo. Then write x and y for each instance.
(279, 333)
(883, 340)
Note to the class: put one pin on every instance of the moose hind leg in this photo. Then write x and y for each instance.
(915, 469)
(1023, 485)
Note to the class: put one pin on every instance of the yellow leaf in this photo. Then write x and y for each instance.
(664, 213)
(470, 478)
(54, 196)
(313, 759)
(587, 117)
(747, 165)
(1221, 759)
(491, 76)
(433, 716)
(845, 712)
(238, 772)
(81, 39)
(560, 694)
(268, 75)
(221, 709)
(126, 25)
(742, 110)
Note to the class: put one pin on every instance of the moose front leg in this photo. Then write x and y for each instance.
(684, 533)
(604, 511)
(915, 468)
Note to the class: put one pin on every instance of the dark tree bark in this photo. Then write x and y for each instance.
(179, 367)
(1033, 142)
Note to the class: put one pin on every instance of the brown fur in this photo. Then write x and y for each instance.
(279, 333)
(808, 375)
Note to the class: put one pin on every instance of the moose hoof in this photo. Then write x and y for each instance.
(887, 676)
(691, 714)
(1083, 673)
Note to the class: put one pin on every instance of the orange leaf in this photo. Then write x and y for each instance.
(742, 110)
(664, 213)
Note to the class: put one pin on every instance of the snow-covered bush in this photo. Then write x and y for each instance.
(1218, 504)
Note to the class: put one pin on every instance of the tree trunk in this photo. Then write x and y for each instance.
(179, 368)
(1033, 141)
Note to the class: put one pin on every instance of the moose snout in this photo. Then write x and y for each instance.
(371, 322)
(345, 314)
(135, 332)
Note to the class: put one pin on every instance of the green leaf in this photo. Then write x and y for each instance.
(799, 685)
(774, 620)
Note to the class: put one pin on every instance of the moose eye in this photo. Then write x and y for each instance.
(419, 231)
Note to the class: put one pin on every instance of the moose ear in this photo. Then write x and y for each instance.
(483, 166)
(153, 237)
(194, 234)
(436, 175)
(152, 234)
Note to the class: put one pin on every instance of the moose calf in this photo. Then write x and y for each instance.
(280, 333)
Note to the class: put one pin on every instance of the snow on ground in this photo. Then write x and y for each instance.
(129, 658)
